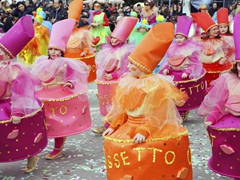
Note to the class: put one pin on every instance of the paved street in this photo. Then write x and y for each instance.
(83, 154)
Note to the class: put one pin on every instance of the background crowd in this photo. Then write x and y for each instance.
(56, 10)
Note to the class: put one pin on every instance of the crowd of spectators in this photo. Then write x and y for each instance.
(231, 8)
(56, 10)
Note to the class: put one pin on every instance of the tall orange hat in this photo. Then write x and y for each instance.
(153, 47)
(75, 9)
(204, 20)
(222, 16)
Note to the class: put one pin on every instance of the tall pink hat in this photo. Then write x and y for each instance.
(236, 36)
(124, 27)
(61, 32)
(183, 25)
(17, 37)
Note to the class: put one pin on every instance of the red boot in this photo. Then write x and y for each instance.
(57, 151)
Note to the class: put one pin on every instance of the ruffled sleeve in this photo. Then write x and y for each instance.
(228, 47)
(214, 102)
(161, 111)
(22, 95)
(195, 67)
(76, 72)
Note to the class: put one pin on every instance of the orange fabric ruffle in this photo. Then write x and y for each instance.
(153, 98)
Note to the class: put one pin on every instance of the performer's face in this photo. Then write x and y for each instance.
(97, 7)
(36, 23)
(223, 29)
(134, 71)
(146, 5)
(54, 53)
(213, 32)
(142, 30)
(180, 39)
(114, 41)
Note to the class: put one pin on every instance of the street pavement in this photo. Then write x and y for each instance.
(83, 154)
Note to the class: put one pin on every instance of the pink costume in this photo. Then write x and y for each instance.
(221, 107)
(113, 60)
(17, 98)
(184, 58)
(67, 109)
(228, 48)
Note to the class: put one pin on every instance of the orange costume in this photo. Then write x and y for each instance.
(80, 41)
(147, 105)
(38, 46)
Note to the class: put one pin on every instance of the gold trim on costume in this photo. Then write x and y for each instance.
(211, 27)
(85, 57)
(105, 83)
(216, 72)
(191, 80)
(26, 116)
(223, 24)
(226, 129)
(10, 55)
(138, 64)
(64, 99)
(148, 140)
(179, 33)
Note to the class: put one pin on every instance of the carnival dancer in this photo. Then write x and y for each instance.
(45, 23)
(99, 25)
(112, 63)
(226, 35)
(38, 45)
(149, 12)
(203, 8)
(64, 89)
(212, 54)
(221, 109)
(184, 65)
(23, 132)
(144, 111)
(79, 45)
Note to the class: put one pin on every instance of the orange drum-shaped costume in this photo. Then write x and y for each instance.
(80, 41)
(166, 157)
(165, 154)
(146, 105)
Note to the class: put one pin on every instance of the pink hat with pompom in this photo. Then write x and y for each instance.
(61, 32)
(17, 37)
